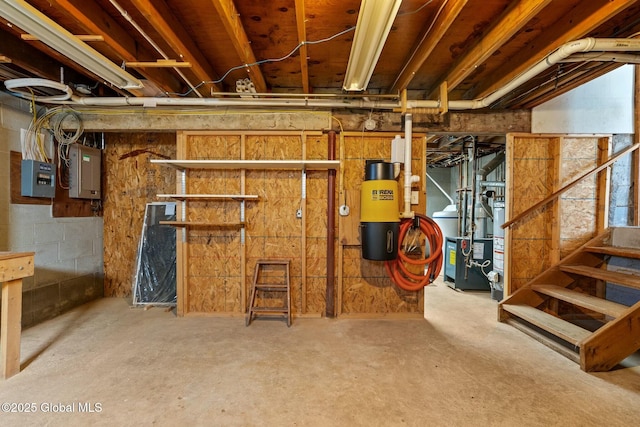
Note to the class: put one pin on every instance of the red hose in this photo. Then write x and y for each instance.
(397, 269)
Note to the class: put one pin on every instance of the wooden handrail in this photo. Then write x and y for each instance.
(570, 185)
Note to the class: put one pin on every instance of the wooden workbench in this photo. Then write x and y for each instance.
(13, 268)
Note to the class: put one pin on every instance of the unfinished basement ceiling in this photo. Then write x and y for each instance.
(299, 47)
(475, 46)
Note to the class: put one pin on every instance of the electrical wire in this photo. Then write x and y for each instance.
(398, 271)
(264, 61)
(290, 54)
(417, 10)
(52, 121)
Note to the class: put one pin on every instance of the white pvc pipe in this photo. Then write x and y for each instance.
(408, 128)
(625, 58)
(230, 102)
(563, 52)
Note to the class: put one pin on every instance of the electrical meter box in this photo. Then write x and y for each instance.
(37, 179)
(84, 172)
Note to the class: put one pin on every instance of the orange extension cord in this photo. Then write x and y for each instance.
(397, 270)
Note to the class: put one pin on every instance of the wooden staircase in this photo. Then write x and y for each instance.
(564, 307)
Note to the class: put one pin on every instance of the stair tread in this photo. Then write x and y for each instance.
(615, 251)
(560, 328)
(581, 299)
(625, 279)
(265, 286)
(270, 309)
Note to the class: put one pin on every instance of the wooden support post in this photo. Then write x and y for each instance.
(303, 255)
(243, 240)
(331, 189)
(11, 327)
(556, 208)
(510, 144)
(343, 196)
(635, 178)
(602, 186)
(13, 268)
(182, 293)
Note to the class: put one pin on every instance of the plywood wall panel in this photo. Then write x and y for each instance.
(130, 181)
(215, 255)
(540, 165)
(274, 147)
(315, 295)
(532, 160)
(206, 295)
(578, 205)
(317, 147)
(366, 287)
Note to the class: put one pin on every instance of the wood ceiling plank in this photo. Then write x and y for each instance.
(428, 42)
(302, 38)
(94, 20)
(512, 20)
(586, 17)
(231, 21)
(159, 15)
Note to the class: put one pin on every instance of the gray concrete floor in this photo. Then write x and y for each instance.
(458, 367)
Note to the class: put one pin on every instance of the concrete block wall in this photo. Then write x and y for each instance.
(68, 251)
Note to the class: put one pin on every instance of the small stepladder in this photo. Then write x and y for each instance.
(274, 283)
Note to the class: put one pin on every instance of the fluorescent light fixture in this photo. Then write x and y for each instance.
(374, 23)
(26, 17)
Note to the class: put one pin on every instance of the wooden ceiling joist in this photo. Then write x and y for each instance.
(512, 20)
(94, 20)
(159, 15)
(27, 57)
(231, 21)
(302, 38)
(428, 42)
(585, 19)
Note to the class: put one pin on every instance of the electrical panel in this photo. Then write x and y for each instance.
(37, 179)
(84, 172)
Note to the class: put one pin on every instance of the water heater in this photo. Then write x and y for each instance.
(379, 212)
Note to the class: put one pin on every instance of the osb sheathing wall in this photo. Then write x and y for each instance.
(218, 269)
(217, 281)
(366, 287)
(130, 182)
(537, 166)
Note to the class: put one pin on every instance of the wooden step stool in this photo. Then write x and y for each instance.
(270, 283)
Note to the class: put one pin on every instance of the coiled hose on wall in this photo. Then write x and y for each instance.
(398, 271)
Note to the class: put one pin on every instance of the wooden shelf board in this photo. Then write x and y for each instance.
(581, 299)
(250, 164)
(625, 279)
(210, 196)
(201, 224)
(558, 327)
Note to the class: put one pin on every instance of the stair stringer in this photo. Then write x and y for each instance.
(612, 343)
